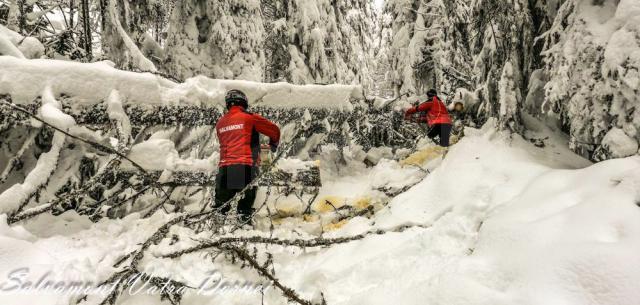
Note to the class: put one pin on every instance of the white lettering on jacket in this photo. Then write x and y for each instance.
(231, 127)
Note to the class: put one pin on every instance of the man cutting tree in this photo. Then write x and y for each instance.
(434, 113)
(239, 135)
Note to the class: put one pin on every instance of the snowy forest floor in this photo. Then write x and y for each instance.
(498, 221)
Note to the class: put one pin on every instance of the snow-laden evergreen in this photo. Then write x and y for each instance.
(285, 40)
(592, 61)
(575, 60)
(220, 39)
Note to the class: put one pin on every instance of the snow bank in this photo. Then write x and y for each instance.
(504, 227)
(93, 82)
(17, 232)
(571, 237)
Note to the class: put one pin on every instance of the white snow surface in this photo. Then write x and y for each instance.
(500, 222)
(90, 83)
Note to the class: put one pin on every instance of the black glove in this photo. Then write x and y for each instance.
(274, 147)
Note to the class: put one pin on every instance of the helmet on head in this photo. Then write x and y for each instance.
(236, 98)
(432, 92)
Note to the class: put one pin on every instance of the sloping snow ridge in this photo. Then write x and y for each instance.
(92, 83)
(499, 221)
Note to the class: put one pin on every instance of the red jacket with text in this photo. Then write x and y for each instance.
(432, 112)
(238, 132)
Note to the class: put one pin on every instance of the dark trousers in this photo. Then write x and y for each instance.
(440, 130)
(231, 180)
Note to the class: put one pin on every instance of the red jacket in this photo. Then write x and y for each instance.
(433, 112)
(238, 133)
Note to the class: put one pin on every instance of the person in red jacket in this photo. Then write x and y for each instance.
(239, 136)
(434, 113)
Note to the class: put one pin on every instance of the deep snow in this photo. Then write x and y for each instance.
(499, 222)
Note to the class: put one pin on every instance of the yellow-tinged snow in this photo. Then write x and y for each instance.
(425, 155)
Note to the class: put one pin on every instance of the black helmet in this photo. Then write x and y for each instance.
(432, 92)
(236, 98)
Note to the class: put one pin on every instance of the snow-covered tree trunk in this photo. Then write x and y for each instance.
(402, 15)
(125, 40)
(14, 15)
(84, 17)
(504, 36)
(217, 38)
(277, 57)
(510, 99)
(429, 45)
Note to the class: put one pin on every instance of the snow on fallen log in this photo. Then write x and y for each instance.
(84, 84)
(282, 95)
(161, 154)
